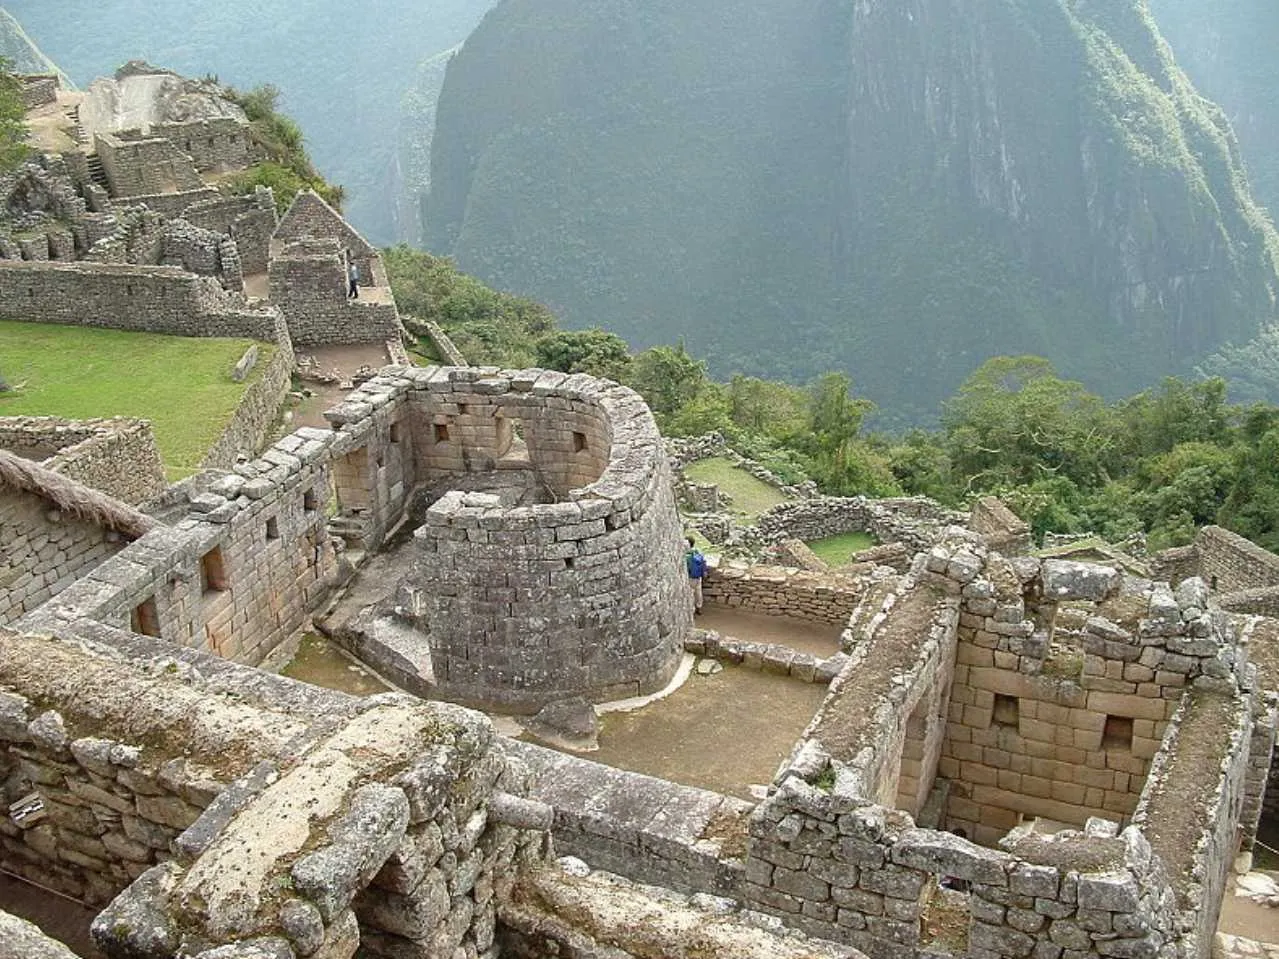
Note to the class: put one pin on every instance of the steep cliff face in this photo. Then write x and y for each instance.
(21, 51)
(899, 189)
(1228, 49)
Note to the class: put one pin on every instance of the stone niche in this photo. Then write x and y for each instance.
(551, 566)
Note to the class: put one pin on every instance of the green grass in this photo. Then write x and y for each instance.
(750, 495)
(181, 384)
(836, 550)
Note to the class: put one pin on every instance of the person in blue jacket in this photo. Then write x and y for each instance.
(695, 565)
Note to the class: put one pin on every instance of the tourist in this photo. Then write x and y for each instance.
(353, 274)
(695, 564)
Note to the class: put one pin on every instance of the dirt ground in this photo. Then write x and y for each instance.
(60, 918)
(820, 639)
(348, 359)
(1243, 917)
(694, 736)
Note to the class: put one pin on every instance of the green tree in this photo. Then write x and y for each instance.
(667, 377)
(596, 352)
(1156, 420)
(1014, 422)
(285, 168)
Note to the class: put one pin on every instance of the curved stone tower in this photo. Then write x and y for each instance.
(552, 565)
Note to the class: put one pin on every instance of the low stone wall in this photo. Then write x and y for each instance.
(766, 657)
(647, 829)
(1263, 601)
(916, 522)
(784, 591)
(175, 203)
(115, 456)
(38, 90)
(258, 411)
(287, 818)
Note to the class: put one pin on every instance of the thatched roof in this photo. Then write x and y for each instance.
(71, 497)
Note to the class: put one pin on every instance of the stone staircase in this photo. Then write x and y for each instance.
(96, 173)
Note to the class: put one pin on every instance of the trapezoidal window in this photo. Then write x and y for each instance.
(310, 502)
(273, 528)
(395, 432)
(1117, 733)
(579, 442)
(145, 618)
(1006, 711)
(213, 577)
(441, 431)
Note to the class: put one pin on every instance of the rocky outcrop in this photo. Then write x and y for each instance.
(899, 190)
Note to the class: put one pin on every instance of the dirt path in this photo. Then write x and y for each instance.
(820, 639)
(348, 359)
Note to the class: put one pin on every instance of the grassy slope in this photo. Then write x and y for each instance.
(750, 496)
(182, 385)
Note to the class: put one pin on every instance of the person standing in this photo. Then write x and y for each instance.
(353, 274)
(695, 565)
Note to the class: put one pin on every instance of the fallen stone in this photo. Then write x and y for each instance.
(567, 723)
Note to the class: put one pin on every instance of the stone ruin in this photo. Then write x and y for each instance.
(1103, 741)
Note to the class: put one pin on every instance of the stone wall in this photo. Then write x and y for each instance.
(258, 412)
(38, 90)
(1004, 531)
(585, 595)
(308, 283)
(214, 145)
(916, 522)
(44, 551)
(782, 591)
(146, 299)
(309, 217)
(248, 220)
(831, 856)
(116, 456)
(145, 165)
(1231, 563)
(284, 818)
(237, 577)
(647, 829)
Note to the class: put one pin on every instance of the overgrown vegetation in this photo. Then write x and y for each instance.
(182, 385)
(1163, 462)
(13, 131)
(286, 167)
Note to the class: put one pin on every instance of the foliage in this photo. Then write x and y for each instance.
(488, 326)
(182, 385)
(585, 351)
(285, 168)
(13, 131)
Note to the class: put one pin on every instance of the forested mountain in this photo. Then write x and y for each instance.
(342, 69)
(896, 190)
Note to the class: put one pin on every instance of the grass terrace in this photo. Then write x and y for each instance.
(751, 496)
(838, 550)
(181, 384)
